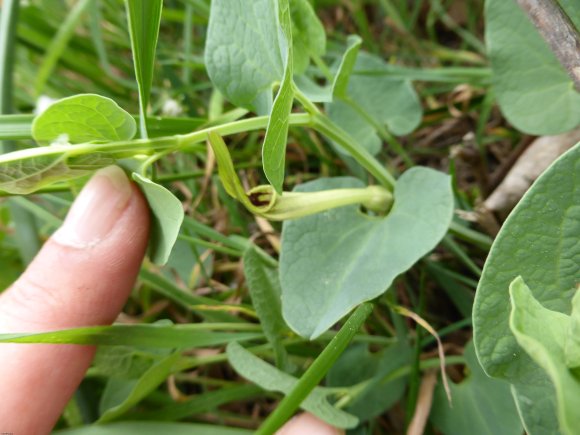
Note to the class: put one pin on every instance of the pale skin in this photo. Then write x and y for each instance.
(82, 277)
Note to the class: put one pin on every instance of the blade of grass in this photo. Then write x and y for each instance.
(58, 44)
(187, 43)
(95, 19)
(316, 371)
(13, 127)
(144, 20)
(150, 335)
(26, 233)
(8, 21)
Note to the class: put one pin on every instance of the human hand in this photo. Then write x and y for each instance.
(82, 277)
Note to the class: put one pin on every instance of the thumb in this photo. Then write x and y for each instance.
(307, 423)
(81, 277)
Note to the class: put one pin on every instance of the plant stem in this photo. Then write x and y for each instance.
(471, 236)
(325, 126)
(382, 131)
(305, 101)
(316, 371)
(130, 148)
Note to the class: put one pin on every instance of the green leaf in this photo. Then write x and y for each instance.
(167, 213)
(153, 428)
(573, 337)
(248, 50)
(308, 35)
(538, 243)
(333, 261)
(274, 147)
(242, 51)
(270, 378)
(481, 405)
(375, 101)
(533, 90)
(121, 395)
(226, 171)
(144, 19)
(22, 173)
(83, 118)
(346, 67)
(542, 334)
(150, 335)
(357, 365)
(264, 195)
(264, 287)
(338, 88)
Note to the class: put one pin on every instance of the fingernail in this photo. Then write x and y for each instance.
(96, 210)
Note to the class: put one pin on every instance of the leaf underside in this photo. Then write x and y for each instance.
(333, 261)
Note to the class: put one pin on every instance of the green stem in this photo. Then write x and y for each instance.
(305, 101)
(319, 62)
(316, 371)
(325, 126)
(438, 75)
(471, 236)
(130, 148)
(382, 131)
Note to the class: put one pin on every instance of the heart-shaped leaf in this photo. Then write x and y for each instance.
(539, 242)
(242, 51)
(533, 89)
(83, 118)
(335, 260)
